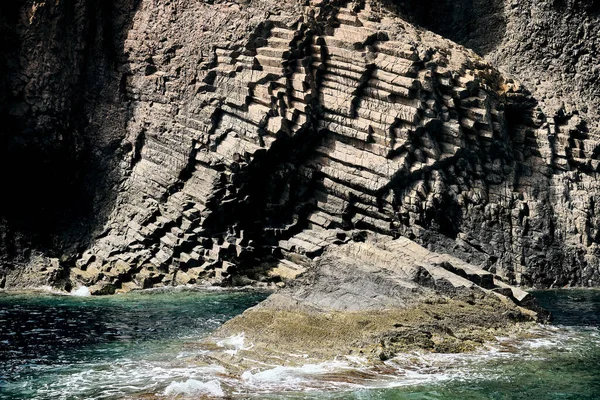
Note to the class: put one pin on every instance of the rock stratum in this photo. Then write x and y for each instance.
(375, 300)
(148, 143)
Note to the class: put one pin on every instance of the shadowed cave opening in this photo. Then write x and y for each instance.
(476, 24)
(54, 164)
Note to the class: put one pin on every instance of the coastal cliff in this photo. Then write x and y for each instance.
(149, 143)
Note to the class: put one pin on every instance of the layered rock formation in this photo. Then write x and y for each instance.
(220, 137)
(373, 300)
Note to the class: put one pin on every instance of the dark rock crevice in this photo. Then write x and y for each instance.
(60, 63)
(476, 24)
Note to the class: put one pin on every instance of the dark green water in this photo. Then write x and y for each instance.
(57, 347)
(60, 347)
(562, 362)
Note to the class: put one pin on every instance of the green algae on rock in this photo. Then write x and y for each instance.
(374, 300)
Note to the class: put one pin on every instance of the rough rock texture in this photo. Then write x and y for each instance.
(63, 121)
(550, 46)
(373, 299)
(189, 142)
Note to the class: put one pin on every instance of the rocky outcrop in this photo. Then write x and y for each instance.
(382, 272)
(246, 137)
(372, 300)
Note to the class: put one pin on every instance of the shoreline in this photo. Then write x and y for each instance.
(208, 288)
(232, 365)
(166, 289)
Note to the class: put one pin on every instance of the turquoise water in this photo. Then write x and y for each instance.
(560, 362)
(63, 347)
(54, 346)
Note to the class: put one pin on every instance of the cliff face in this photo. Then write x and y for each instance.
(63, 122)
(549, 46)
(151, 143)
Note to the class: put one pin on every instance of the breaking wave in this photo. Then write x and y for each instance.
(192, 387)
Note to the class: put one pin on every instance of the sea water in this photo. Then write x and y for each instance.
(68, 347)
(137, 346)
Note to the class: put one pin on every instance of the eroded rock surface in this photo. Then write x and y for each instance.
(231, 136)
(373, 299)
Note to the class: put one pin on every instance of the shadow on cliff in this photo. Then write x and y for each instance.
(59, 75)
(476, 24)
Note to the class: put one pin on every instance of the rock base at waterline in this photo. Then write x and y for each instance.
(374, 300)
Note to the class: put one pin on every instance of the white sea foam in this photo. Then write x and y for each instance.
(82, 291)
(177, 378)
(193, 387)
(122, 377)
(304, 377)
(234, 343)
(542, 343)
(291, 374)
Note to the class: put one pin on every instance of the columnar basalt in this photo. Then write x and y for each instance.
(260, 137)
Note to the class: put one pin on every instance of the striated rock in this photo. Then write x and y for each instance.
(102, 288)
(373, 299)
(39, 272)
(223, 137)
